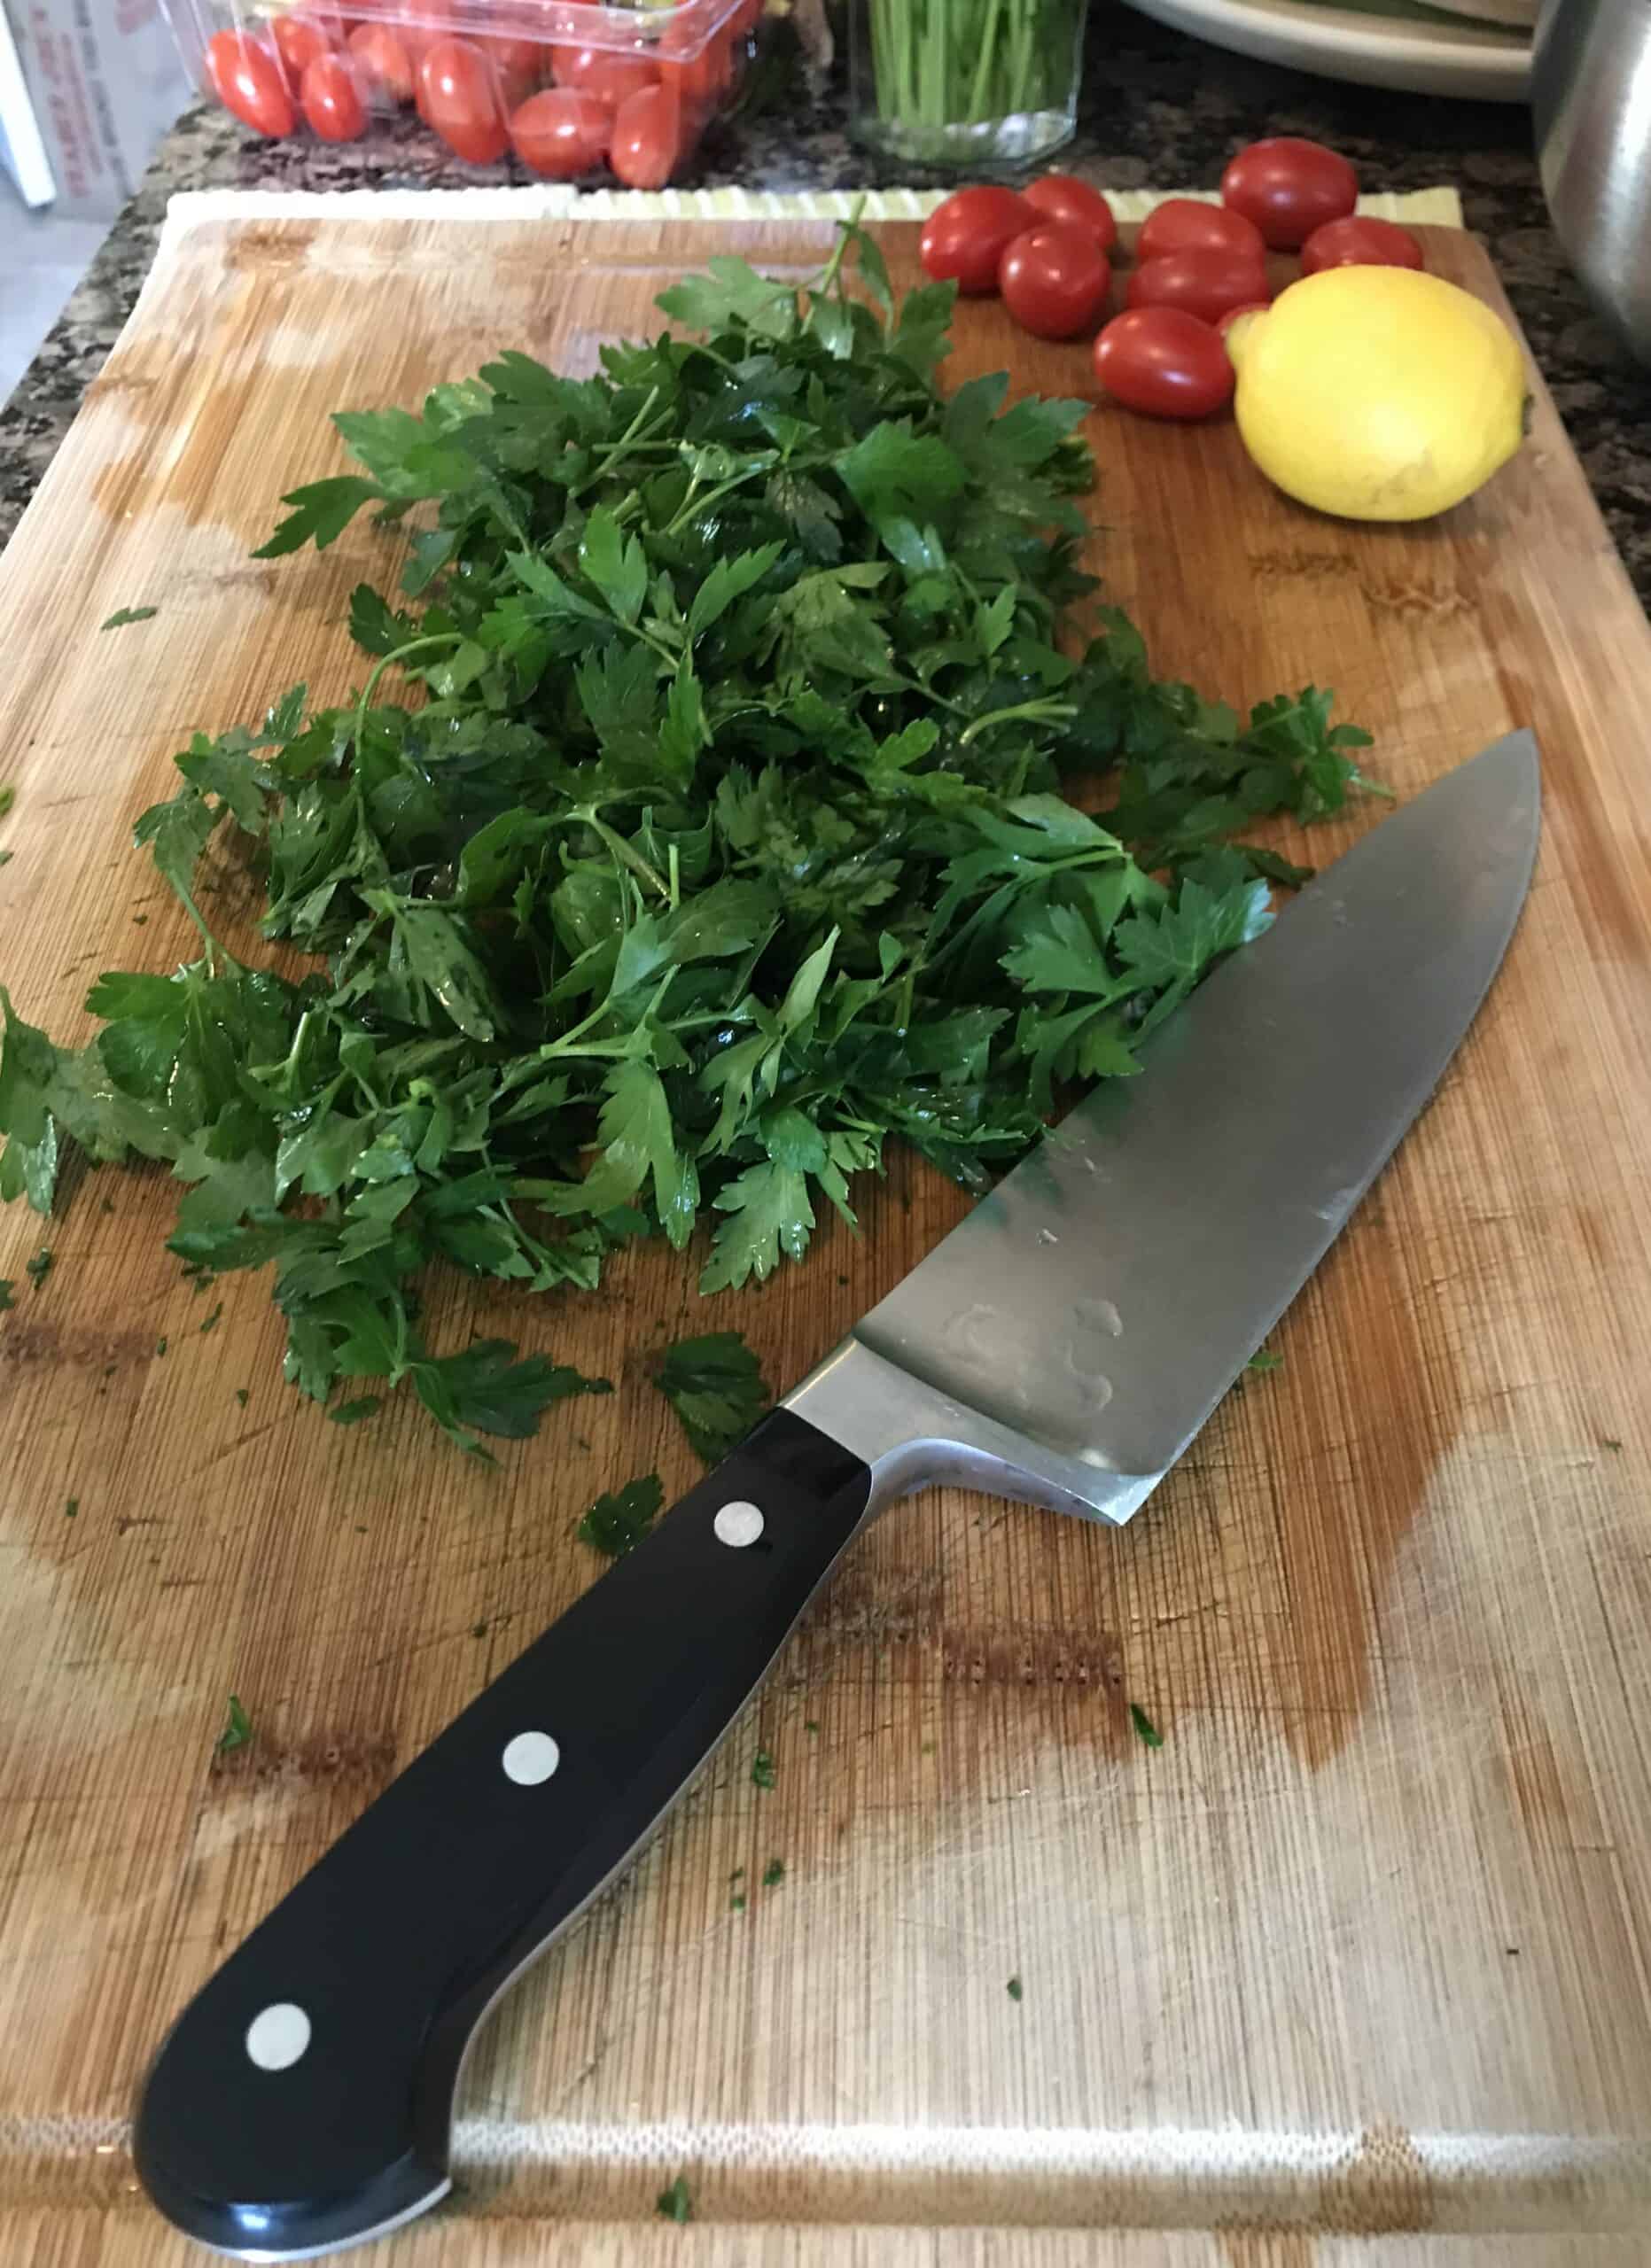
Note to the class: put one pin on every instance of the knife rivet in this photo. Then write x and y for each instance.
(737, 1524)
(529, 1759)
(277, 2036)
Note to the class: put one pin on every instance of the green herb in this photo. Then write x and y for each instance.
(810, 1725)
(939, 65)
(717, 839)
(1264, 1360)
(736, 1903)
(211, 1322)
(160, 1346)
(674, 2203)
(8, 797)
(238, 1731)
(1144, 1726)
(773, 1872)
(350, 1413)
(241, 1396)
(617, 1523)
(71, 1508)
(125, 614)
(39, 1268)
(7, 1287)
(738, 1875)
(1610, 1445)
(1016, 1990)
(716, 1386)
(762, 1769)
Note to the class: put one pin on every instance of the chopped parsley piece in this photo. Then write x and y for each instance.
(1263, 1360)
(617, 1522)
(160, 1346)
(39, 1268)
(71, 1508)
(122, 615)
(1016, 1990)
(716, 1386)
(762, 1769)
(210, 1322)
(736, 1903)
(238, 1731)
(773, 1872)
(674, 2203)
(6, 1290)
(350, 1413)
(1144, 1726)
(241, 1396)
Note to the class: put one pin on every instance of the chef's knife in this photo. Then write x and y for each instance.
(1062, 1346)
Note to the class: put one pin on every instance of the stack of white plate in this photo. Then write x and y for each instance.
(1479, 49)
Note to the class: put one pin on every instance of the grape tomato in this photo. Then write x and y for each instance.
(647, 138)
(247, 79)
(965, 239)
(1062, 197)
(300, 37)
(458, 95)
(1055, 280)
(1184, 224)
(562, 132)
(385, 64)
(1204, 284)
(1357, 243)
(1165, 363)
(331, 100)
(1288, 188)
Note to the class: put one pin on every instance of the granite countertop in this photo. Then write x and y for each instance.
(1156, 108)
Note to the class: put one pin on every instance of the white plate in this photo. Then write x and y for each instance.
(1397, 51)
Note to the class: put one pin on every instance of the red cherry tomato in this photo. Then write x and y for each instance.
(1055, 280)
(562, 132)
(1182, 224)
(1062, 197)
(458, 95)
(1202, 283)
(247, 79)
(300, 38)
(648, 137)
(966, 237)
(1165, 363)
(1224, 324)
(517, 62)
(386, 65)
(1353, 242)
(1288, 188)
(332, 100)
(612, 75)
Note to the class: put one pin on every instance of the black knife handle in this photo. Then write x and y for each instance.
(304, 2098)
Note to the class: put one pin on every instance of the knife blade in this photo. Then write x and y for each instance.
(1062, 1346)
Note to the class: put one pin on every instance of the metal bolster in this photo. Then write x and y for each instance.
(910, 1434)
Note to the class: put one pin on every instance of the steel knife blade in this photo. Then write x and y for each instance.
(1062, 1346)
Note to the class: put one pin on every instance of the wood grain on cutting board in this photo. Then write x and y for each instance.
(1362, 1949)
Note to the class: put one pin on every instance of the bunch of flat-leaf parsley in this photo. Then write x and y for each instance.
(721, 839)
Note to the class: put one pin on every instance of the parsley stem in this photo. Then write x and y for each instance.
(400, 653)
(1053, 713)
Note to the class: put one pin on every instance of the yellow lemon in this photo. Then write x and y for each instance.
(1378, 393)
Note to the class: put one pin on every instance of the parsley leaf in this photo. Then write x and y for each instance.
(617, 1521)
(1144, 1726)
(716, 1386)
(122, 615)
(238, 1731)
(674, 2203)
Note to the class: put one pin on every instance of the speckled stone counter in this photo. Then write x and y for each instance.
(1158, 108)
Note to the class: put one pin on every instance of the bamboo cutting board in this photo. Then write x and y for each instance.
(1355, 1965)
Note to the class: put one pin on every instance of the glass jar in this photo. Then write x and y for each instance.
(966, 84)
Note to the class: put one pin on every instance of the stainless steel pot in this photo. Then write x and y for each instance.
(1590, 94)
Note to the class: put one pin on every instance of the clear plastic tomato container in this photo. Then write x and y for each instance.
(570, 87)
